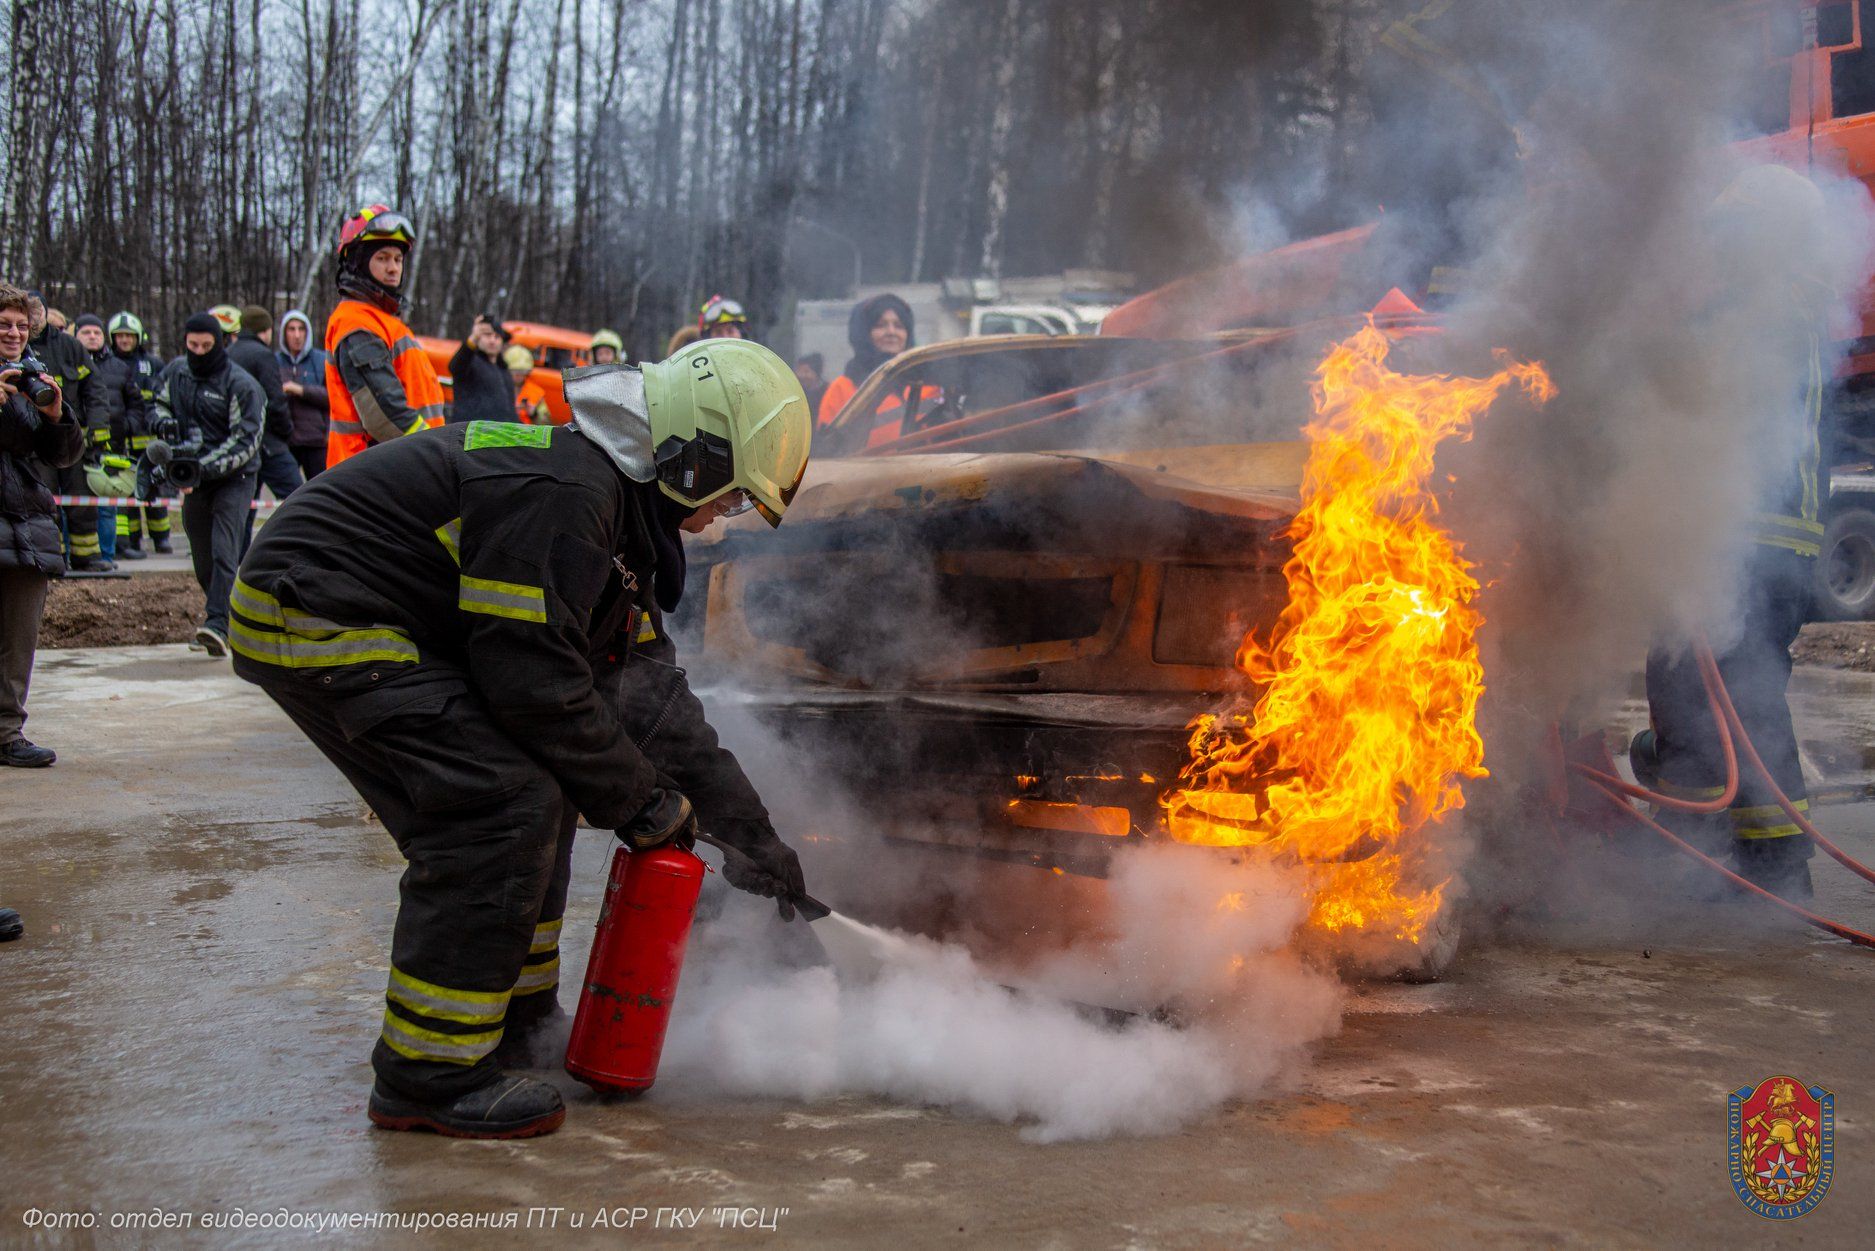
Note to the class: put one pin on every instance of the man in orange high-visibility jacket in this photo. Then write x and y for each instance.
(381, 383)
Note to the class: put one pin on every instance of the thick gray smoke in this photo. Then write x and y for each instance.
(935, 1026)
(1677, 332)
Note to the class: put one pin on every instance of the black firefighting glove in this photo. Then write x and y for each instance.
(768, 868)
(666, 818)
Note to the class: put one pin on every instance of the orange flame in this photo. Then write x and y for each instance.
(1366, 720)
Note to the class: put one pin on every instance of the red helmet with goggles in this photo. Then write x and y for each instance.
(378, 224)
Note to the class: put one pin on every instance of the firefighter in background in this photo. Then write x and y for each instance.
(70, 365)
(530, 401)
(438, 617)
(607, 348)
(722, 318)
(228, 317)
(109, 467)
(131, 345)
(1680, 754)
(379, 380)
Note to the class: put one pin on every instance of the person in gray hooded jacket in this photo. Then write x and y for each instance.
(303, 378)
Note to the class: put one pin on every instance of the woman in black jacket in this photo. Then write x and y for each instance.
(35, 440)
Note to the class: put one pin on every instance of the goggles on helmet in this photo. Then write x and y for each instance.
(720, 311)
(377, 224)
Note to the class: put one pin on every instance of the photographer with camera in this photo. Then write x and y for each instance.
(209, 414)
(38, 434)
(482, 389)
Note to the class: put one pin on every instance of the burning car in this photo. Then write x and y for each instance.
(1017, 607)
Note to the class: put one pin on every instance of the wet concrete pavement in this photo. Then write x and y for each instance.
(208, 909)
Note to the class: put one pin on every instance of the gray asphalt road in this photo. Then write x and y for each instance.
(188, 1019)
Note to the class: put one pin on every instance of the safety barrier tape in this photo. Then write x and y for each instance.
(130, 501)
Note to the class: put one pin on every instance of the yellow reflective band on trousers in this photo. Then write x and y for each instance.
(538, 977)
(1767, 820)
(413, 1042)
(262, 630)
(546, 937)
(464, 1007)
(515, 600)
(449, 534)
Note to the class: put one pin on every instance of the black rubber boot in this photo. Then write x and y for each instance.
(512, 1106)
(11, 927)
(1779, 865)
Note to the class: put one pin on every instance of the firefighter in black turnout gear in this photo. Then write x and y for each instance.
(70, 365)
(442, 615)
(1680, 754)
(130, 344)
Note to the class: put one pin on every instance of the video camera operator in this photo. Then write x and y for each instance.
(209, 414)
(39, 434)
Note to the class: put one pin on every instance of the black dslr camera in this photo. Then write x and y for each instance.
(34, 382)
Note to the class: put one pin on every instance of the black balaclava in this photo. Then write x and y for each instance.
(355, 278)
(667, 540)
(866, 357)
(209, 363)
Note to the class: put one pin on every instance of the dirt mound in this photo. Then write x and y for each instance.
(115, 612)
(1838, 645)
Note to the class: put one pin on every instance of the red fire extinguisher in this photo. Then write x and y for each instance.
(631, 979)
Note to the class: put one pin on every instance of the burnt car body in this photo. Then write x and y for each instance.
(998, 632)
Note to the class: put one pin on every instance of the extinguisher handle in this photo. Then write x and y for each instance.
(806, 906)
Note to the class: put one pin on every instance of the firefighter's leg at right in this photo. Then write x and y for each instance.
(479, 822)
(1771, 850)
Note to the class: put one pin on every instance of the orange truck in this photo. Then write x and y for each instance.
(554, 347)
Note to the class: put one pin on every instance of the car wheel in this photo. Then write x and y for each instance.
(1845, 573)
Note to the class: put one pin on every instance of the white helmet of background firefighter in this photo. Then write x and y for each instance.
(606, 339)
(126, 323)
(359, 239)
(722, 318)
(724, 417)
(228, 317)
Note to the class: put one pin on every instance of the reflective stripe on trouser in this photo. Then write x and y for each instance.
(541, 970)
(1756, 672)
(129, 524)
(486, 832)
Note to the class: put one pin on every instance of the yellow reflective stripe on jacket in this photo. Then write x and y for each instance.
(538, 977)
(417, 1043)
(449, 534)
(255, 605)
(465, 1007)
(342, 647)
(646, 632)
(546, 937)
(515, 600)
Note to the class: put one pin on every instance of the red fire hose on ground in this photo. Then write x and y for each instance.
(1732, 736)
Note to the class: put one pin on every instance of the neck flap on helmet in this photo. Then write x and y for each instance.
(608, 405)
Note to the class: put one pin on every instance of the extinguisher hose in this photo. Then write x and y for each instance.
(1729, 727)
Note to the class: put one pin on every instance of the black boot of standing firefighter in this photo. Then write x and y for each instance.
(437, 614)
